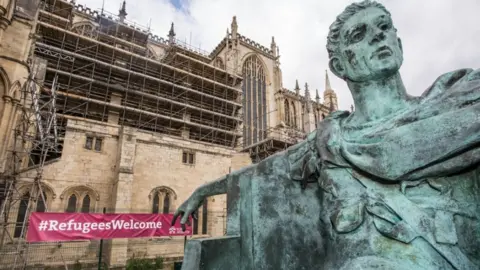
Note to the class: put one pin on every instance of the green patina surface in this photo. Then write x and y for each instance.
(397, 182)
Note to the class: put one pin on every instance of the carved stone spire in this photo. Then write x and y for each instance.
(234, 27)
(297, 88)
(327, 81)
(317, 96)
(273, 47)
(308, 100)
(329, 96)
(122, 13)
(171, 34)
(227, 37)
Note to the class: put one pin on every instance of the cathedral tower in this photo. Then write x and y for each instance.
(329, 96)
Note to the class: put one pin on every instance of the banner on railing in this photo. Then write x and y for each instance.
(44, 227)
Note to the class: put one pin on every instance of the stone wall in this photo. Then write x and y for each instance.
(121, 177)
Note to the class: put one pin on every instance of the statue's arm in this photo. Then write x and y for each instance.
(190, 206)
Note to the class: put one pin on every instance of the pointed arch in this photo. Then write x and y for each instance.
(78, 198)
(15, 90)
(4, 88)
(303, 117)
(4, 81)
(39, 205)
(261, 67)
(21, 215)
(46, 187)
(287, 112)
(294, 115)
(86, 28)
(162, 189)
(79, 189)
(72, 204)
(85, 204)
(162, 198)
(254, 99)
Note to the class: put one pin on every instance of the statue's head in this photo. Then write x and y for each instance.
(362, 43)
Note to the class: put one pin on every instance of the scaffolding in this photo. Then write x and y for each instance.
(103, 70)
(35, 140)
(96, 65)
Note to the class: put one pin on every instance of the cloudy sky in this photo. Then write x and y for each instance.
(438, 35)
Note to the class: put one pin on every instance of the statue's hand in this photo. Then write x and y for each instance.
(187, 208)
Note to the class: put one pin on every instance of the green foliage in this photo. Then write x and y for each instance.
(145, 263)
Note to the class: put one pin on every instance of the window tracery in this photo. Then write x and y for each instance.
(287, 112)
(254, 100)
(79, 199)
(40, 204)
(85, 29)
(162, 200)
(294, 116)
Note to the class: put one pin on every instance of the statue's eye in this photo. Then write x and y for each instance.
(384, 26)
(358, 34)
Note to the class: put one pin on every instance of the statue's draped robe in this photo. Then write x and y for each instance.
(402, 192)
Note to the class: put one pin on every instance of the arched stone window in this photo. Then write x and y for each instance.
(72, 204)
(21, 215)
(80, 199)
(162, 200)
(85, 204)
(303, 117)
(254, 100)
(316, 119)
(4, 86)
(85, 28)
(287, 112)
(40, 204)
(294, 115)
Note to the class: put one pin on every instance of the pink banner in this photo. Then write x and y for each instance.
(79, 226)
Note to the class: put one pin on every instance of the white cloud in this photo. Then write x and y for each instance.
(438, 36)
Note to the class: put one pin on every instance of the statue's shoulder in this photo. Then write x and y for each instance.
(451, 80)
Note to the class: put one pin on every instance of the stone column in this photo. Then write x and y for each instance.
(4, 21)
(5, 131)
(113, 114)
(122, 192)
(186, 116)
(309, 122)
(185, 132)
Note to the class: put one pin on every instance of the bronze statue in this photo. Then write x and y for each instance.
(399, 176)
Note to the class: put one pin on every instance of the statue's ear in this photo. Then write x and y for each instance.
(400, 44)
(336, 67)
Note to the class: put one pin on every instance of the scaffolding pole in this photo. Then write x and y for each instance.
(34, 139)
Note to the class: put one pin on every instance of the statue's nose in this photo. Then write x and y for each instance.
(379, 36)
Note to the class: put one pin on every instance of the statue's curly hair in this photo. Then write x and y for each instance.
(333, 38)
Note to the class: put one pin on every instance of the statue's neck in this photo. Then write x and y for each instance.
(378, 99)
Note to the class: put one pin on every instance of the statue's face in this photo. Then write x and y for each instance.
(369, 47)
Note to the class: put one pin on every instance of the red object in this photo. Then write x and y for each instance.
(44, 227)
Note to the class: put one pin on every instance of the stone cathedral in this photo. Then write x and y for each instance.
(141, 121)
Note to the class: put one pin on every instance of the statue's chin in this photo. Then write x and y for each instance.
(377, 73)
